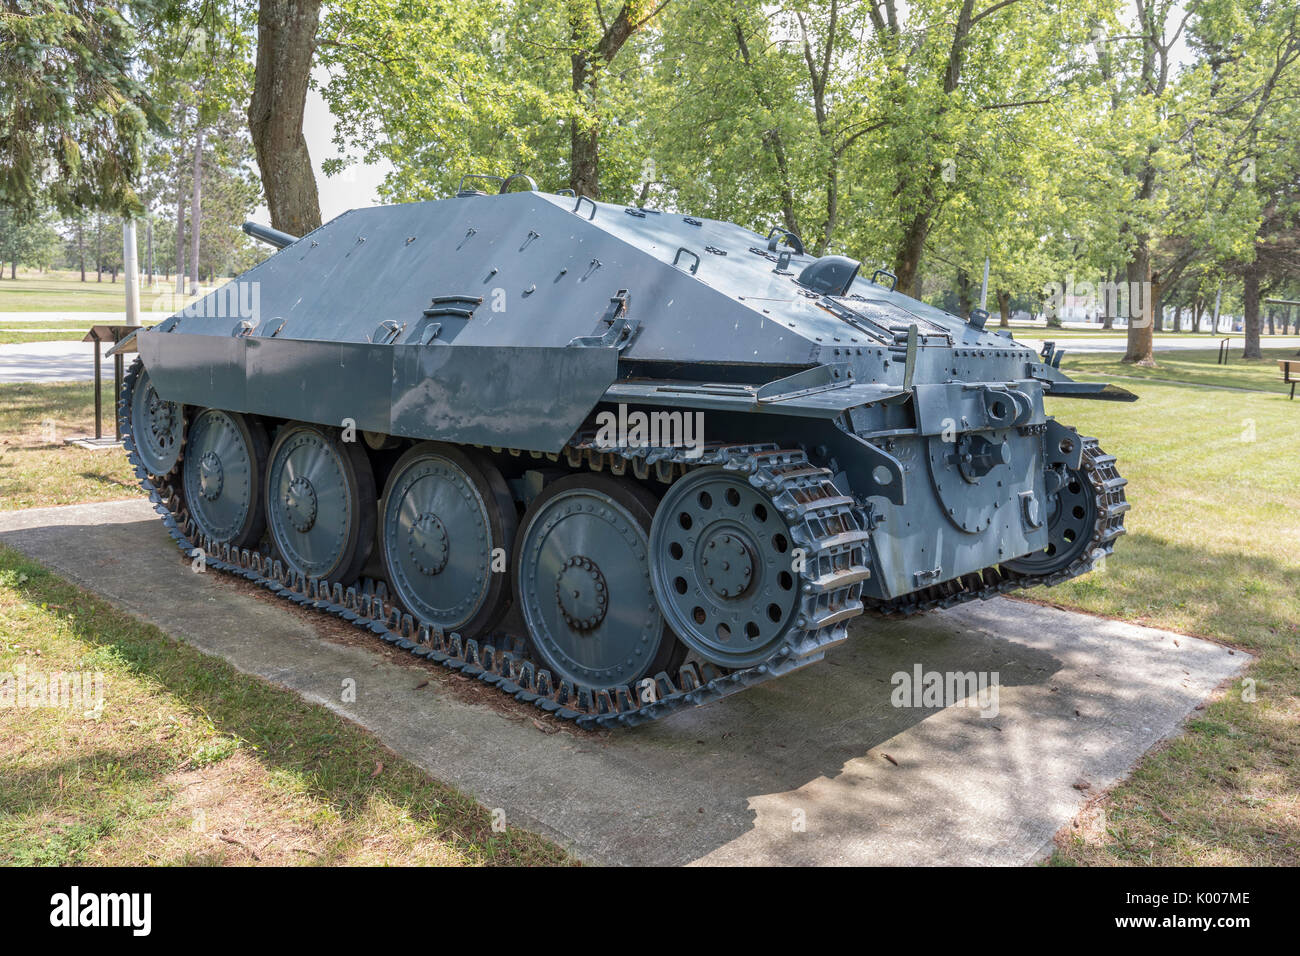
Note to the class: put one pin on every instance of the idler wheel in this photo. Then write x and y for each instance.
(723, 567)
(156, 426)
(582, 580)
(222, 476)
(1071, 514)
(446, 513)
(320, 502)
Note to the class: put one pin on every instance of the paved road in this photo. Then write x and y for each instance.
(49, 362)
(66, 361)
(1106, 343)
(790, 772)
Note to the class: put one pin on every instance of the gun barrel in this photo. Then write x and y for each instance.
(268, 235)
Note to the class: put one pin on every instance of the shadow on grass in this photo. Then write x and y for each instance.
(1249, 600)
(132, 487)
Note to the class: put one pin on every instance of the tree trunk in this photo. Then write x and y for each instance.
(180, 226)
(965, 293)
(1157, 299)
(196, 212)
(908, 260)
(832, 212)
(1141, 327)
(286, 43)
(1250, 317)
(99, 250)
(148, 239)
(772, 137)
(1270, 322)
(584, 142)
(81, 247)
(908, 263)
(1004, 307)
(1110, 302)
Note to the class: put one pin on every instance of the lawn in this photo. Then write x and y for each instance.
(21, 331)
(1211, 550)
(189, 761)
(1039, 332)
(1197, 366)
(60, 291)
(63, 291)
(37, 468)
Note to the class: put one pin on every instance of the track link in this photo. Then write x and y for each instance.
(1108, 492)
(831, 532)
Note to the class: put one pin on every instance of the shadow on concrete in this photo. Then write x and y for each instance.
(792, 771)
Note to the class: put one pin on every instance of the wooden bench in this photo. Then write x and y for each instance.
(1290, 373)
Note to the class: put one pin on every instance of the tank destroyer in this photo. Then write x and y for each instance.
(612, 460)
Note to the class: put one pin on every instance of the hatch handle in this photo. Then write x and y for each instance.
(460, 187)
(505, 183)
(777, 234)
(587, 199)
(893, 279)
(386, 331)
(694, 268)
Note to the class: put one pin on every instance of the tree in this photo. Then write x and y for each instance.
(551, 89)
(73, 115)
(28, 240)
(200, 71)
(595, 43)
(286, 43)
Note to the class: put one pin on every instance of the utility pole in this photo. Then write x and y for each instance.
(148, 240)
(131, 272)
(195, 211)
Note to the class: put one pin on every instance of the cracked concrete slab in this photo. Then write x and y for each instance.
(818, 767)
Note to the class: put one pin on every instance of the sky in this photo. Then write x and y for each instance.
(356, 186)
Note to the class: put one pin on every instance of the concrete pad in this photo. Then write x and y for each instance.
(792, 772)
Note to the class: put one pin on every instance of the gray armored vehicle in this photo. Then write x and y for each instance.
(612, 460)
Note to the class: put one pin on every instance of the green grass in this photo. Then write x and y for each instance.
(1042, 332)
(191, 762)
(37, 468)
(1213, 549)
(1196, 366)
(21, 332)
(60, 291)
(19, 338)
(63, 291)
